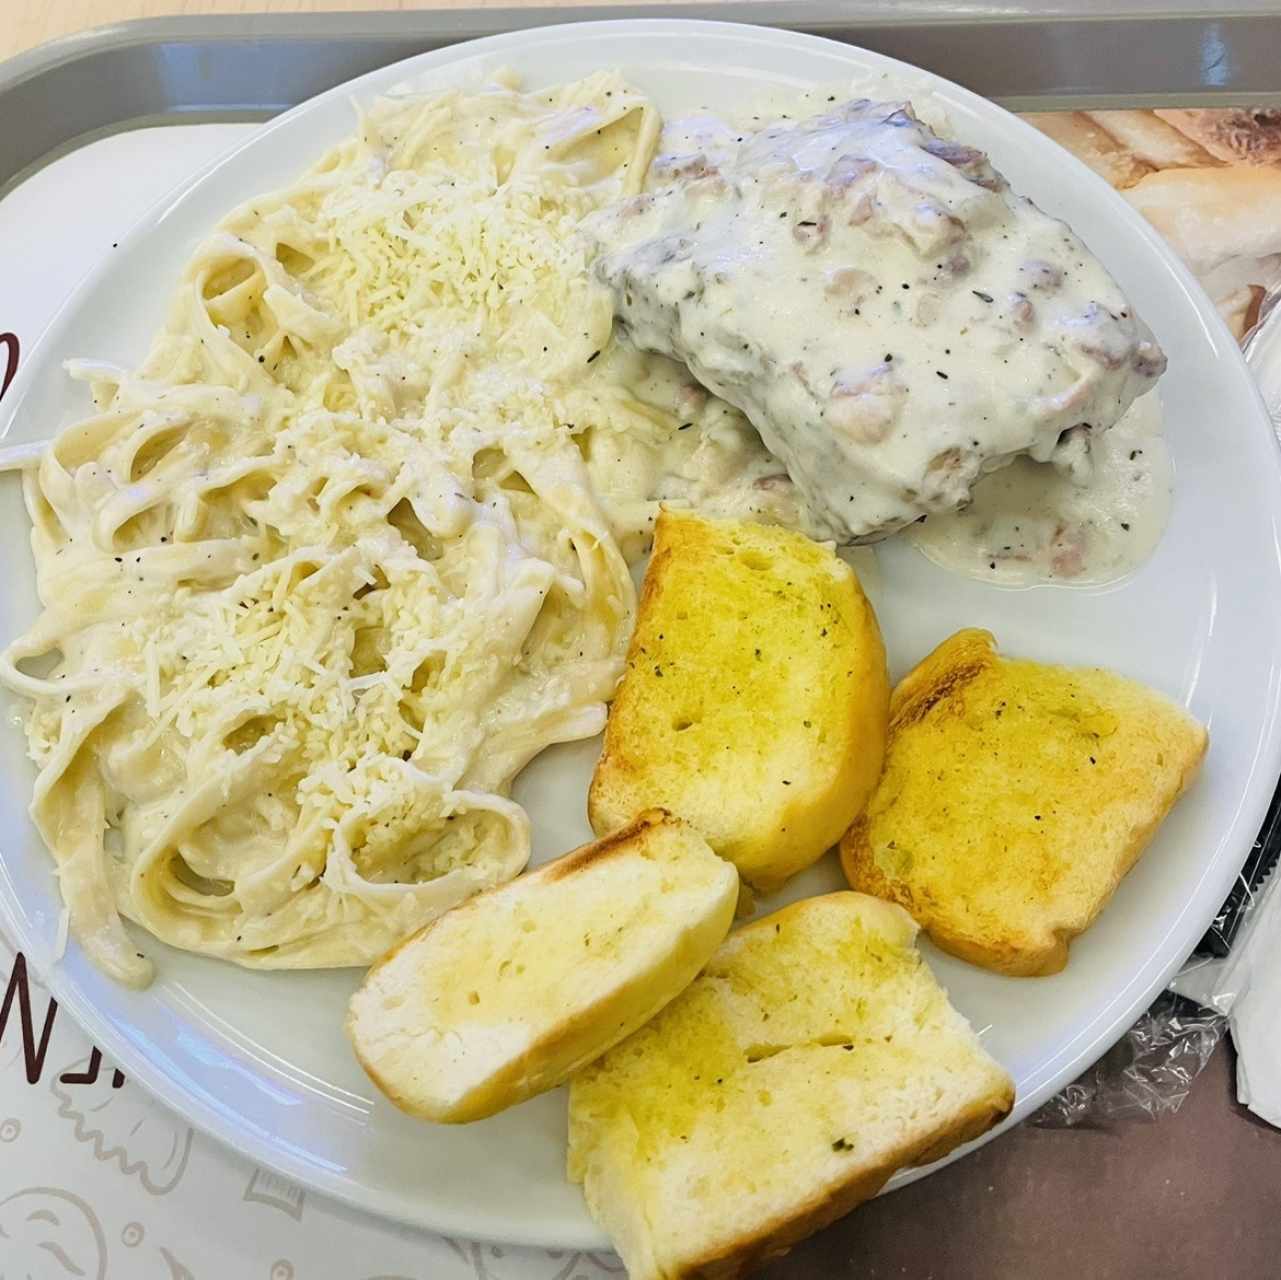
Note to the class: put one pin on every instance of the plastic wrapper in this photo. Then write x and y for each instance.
(1149, 1072)
(1145, 1075)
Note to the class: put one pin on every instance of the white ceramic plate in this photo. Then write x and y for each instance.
(260, 1059)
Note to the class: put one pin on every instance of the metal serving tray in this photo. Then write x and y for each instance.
(248, 68)
(251, 67)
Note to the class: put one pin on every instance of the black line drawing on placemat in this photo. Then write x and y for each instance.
(10, 343)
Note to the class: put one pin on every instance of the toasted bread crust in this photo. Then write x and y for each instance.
(631, 1154)
(941, 675)
(1025, 958)
(611, 846)
(776, 1237)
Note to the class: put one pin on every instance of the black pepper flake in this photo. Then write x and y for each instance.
(982, 297)
(807, 224)
(905, 285)
(941, 374)
(889, 357)
(658, 671)
(787, 782)
(593, 356)
(685, 426)
(841, 1145)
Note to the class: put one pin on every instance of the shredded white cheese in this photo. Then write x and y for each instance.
(327, 569)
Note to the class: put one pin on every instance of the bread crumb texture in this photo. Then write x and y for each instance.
(1015, 797)
(506, 995)
(813, 1056)
(755, 698)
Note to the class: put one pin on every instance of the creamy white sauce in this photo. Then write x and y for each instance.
(667, 440)
(691, 450)
(889, 316)
(1031, 523)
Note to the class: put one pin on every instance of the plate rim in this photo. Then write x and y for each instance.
(1114, 1017)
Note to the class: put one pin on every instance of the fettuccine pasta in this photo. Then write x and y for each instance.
(327, 569)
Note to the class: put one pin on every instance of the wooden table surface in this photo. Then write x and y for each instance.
(1192, 1195)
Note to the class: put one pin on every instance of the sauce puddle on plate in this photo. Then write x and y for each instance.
(1031, 523)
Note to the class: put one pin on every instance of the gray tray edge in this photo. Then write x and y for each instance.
(248, 67)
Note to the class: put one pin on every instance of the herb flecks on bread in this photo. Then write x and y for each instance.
(814, 1056)
(755, 697)
(1015, 797)
(508, 994)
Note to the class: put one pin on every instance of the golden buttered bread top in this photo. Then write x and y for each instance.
(507, 995)
(1015, 797)
(812, 1057)
(755, 697)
